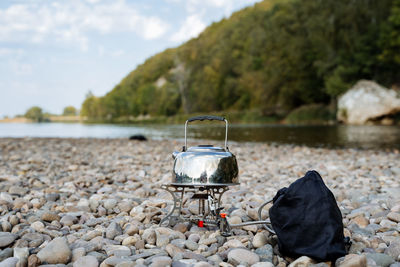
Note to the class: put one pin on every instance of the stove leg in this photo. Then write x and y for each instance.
(174, 216)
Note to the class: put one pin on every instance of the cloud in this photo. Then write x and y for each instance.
(72, 21)
(192, 26)
(20, 68)
(6, 52)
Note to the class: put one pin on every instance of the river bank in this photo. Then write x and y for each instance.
(92, 201)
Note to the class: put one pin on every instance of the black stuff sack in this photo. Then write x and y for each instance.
(307, 220)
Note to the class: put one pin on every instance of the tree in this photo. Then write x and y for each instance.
(35, 114)
(70, 111)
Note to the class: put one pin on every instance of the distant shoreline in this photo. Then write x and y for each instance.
(50, 119)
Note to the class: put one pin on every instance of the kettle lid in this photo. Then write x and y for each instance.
(205, 148)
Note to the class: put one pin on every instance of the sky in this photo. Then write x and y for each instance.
(53, 52)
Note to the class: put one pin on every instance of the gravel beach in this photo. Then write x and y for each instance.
(98, 202)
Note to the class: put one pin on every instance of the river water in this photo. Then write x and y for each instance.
(325, 136)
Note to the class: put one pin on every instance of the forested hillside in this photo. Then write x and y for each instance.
(273, 57)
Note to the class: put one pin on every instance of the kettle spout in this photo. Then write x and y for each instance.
(175, 154)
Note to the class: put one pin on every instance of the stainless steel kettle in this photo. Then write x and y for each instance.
(205, 164)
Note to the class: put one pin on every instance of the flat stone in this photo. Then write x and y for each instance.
(6, 239)
(242, 256)
(56, 251)
(86, 261)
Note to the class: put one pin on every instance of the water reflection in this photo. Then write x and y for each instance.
(328, 136)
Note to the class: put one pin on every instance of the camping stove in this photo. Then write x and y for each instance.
(203, 174)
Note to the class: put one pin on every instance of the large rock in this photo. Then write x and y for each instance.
(57, 251)
(367, 100)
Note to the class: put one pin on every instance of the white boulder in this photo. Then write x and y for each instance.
(365, 101)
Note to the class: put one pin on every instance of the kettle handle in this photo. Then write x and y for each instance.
(210, 118)
(206, 117)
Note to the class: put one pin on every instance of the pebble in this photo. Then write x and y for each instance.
(56, 251)
(242, 256)
(149, 235)
(352, 260)
(7, 239)
(104, 198)
(191, 245)
(380, 259)
(260, 239)
(68, 220)
(77, 253)
(394, 216)
(6, 253)
(265, 253)
(113, 230)
(10, 262)
(50, 216)
(208, 241)
(110, 203)
(33, 261)
(86, 261)
(22, 255)
(394, 249)
(262, 264)
(302, 261)
(38, 225)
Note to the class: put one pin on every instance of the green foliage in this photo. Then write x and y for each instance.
(273, 57)
(314, 113)
(70, 111)
(35, 114)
